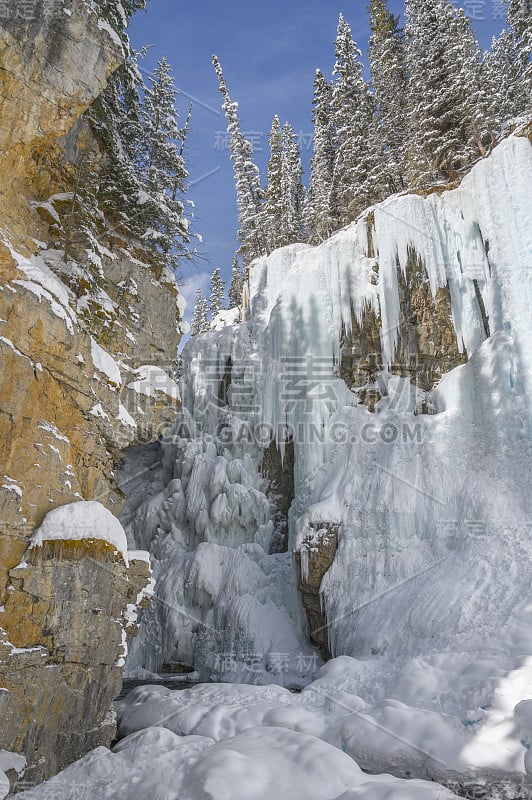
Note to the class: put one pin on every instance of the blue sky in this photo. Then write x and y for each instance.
(269, 52)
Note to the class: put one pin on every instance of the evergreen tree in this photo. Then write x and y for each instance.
(81, 221)
(249, 194)
(143, 177)
(321, 216)
(359, 163)
(235, 289)
(115, 118)
(475, 102)
(118, 13)
(285, 195)
(503, 79)
(388, 72)
(217, 298)
(274, 188)
(293, 194)
(204, 314)
(445, 119)
(519, 18)
(199, 322)
(165, 180)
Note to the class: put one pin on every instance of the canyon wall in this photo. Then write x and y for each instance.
(85, 363)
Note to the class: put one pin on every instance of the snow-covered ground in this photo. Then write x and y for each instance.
(261, 764)
(238, 742)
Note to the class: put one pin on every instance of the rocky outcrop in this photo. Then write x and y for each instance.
(68, 606)
(279, 470)
(53, 65)
(314, 558)
(67, 408)
(427, 347)
(86, 356)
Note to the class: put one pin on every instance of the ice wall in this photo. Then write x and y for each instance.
(433, 510)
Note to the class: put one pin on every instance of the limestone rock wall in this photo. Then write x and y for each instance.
(85, 372)
(68, 599)
(53, 65)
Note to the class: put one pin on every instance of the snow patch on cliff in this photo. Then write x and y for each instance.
(82, 520)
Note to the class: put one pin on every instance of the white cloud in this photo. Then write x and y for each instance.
(199, 280)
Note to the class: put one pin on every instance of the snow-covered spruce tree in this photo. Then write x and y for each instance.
(81, 220)
(217, 298)
(519, 18)
(166, 228)
(446, 129)
(285, 194)
(293, 195)
(205, 327)
(388, 74)
(118, 14)
(249, 194)
(359, 163)
(321, 216)
(274, 187)
(106, 183)
(142, 176)
(235, 289)
(199, 315)
(115, 118)
(476, 108)
(502, 78)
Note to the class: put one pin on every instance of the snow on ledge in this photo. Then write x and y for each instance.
(139, 555)
(105, 363)
(225, 317)
(44, 283)
(125, 418)
(82, 520)
(151, 380)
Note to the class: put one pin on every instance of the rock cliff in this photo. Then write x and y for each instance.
(85, 363)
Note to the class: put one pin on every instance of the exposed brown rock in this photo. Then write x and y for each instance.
(65, 607)
(280, 473)
(62, 422)
(427, 347)
(314, 558)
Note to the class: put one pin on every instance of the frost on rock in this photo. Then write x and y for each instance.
(428, 598)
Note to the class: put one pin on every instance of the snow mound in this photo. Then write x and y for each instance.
(259, 765)
(82, 520)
